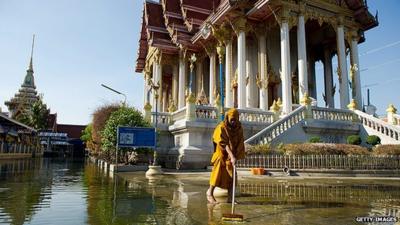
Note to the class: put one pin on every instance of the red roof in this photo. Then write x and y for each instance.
(176, 24)
(73, 131)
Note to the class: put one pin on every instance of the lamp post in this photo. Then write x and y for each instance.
(115, 91)
(155, 169)
(192, 60)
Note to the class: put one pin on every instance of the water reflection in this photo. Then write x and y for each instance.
(43, 191)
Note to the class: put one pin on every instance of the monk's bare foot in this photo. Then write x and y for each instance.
(211, 198)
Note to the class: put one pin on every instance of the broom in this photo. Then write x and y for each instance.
(232, 216)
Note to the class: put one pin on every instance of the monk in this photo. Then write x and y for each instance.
(228, 147)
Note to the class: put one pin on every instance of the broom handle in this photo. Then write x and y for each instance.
(233, 189)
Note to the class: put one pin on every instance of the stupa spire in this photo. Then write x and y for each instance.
(33, 45)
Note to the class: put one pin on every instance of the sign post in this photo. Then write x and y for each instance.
(134, 137)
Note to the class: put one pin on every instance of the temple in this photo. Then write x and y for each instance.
(200, 57)
(27, 95)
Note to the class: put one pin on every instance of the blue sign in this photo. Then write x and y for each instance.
(136, 137)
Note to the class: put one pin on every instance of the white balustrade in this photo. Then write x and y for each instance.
(255, 116)
(379, 125)
(163, 118)
(319, 113)
(179, 114)
(277, 128)
(396, 119)
(206, 113)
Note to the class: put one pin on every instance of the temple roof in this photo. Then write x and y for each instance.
(176, 28)
(195, 12)
(177, 24)
(170, 25)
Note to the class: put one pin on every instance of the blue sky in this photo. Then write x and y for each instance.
(81, 44)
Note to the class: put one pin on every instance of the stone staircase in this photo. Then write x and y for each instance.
(331, 125)
(389, 134)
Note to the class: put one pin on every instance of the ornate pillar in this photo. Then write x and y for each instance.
(165, 99)
(220, 52)
(240, 26)
(250, 77)
(285, 64)
(199, 76)
(312, 82)
(302, 57)
(212, 88)
(355, 70)
(228, 74)
(182, 81)
(262, 81)
(159, 82)
(175, 77)
(153, 94)
(329, 91)
(342, 70)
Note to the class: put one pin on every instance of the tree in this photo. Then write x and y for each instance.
(87, 137)
(35, 115)
(39, 115)
(100, 117)
(124, 116)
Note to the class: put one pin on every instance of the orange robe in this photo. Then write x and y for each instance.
(221, 174)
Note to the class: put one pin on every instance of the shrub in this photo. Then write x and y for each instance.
(259, 149)
(354, 140)
(373, 140)
(387, 150)
(324, 149)
(124, 116)
(315, 139)
(100, 117)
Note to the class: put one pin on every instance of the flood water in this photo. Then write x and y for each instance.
(54, 191)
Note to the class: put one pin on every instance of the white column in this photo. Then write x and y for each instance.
(249, 72)
(164, 100)
(144, 89)
(182, 82)
(263, 72)
(241, 70)
(175, 77)
(198, 77)
(302, 58)
(330, 103)
(344, 83)
(212, 77)
(357, 79)
(159, 82)
(153, 94)
(285, 67)
(228, 75)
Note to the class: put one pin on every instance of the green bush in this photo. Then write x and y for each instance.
(315, 139)
(387, 150)
(324, 149)
(124, 116)
(264, 149)
(373, 140)
(354, 140)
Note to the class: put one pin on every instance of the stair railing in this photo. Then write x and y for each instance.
(277, 128)
(378, 125)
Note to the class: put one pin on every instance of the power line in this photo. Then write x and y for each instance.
(382, 64)
(380, 48)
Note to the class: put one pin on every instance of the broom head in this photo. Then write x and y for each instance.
(232, 217)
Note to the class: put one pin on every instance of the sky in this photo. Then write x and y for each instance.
(81, 44)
